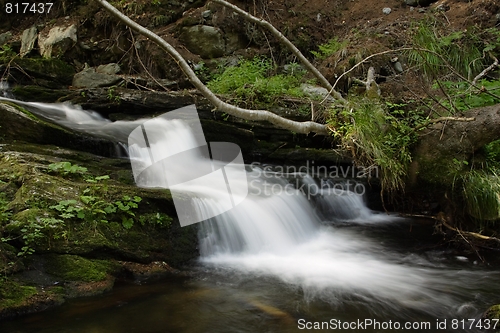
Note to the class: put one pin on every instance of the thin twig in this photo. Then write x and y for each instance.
(486, 71)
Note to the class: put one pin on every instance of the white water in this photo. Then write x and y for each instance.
(280, 235)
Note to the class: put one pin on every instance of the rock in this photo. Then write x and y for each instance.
(396, 64)
(58, 41)
(206, 14)
(28, 40)
(51, 73)
(18, 124)
(386, 10)
(493, 313)
(234, 41)
(204, 40)
(103, 76)
(443, 8)
(316, 92)
(112, 68)
(5, 37)
(419, 2)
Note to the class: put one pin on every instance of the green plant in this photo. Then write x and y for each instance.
(66, 168)
(379, 135)
(481, 191)
(126, 205)
(37, 229)
(113, 96)
(437, 51)
(158, 219)
(460, 97)
(252, 82)
(329, 48)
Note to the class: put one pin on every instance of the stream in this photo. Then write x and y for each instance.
(299, 252)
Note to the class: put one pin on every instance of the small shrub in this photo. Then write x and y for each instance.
(329, 48)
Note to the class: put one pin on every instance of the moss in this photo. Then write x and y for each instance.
(493, 313)
(76, 268)
(52, 69)
(39, 94)
(13, 294)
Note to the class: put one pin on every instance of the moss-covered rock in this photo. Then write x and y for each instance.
(51, 73)
(76, 268)
(17, 298)
(43, 205)
(41, 94)
(493, 313)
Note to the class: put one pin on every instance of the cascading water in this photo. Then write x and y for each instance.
(282, 233)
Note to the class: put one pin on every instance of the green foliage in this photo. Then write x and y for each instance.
(435, 46)
(93, 209)
(158, 219)
(4, 213)
(65, 168)
(481, 191)
(113, 96)
(329, 48)
(38, 229)
(462, 98)
(379, 135)
(251, 81)
(492, 152)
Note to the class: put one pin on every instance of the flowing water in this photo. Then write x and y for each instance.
(282, 260)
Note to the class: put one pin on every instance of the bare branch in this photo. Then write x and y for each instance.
(256, 115)
(486, 71)
(361, 62)
(263, 23)
(441, 119)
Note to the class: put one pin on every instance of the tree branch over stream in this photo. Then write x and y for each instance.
(256, 115)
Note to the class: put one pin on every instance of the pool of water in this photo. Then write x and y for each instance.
(220, 298)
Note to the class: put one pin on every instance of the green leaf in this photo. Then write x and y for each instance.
(127, 222)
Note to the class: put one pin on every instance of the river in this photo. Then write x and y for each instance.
(284, 259)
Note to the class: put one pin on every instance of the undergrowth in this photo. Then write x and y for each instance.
(438, 52)
(255, 82)
(381, 135)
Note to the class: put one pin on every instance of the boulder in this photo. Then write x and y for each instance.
(102, 76)
(28, 40)
(110, 69)
(206, 41)
(58, 41)
(315, 92)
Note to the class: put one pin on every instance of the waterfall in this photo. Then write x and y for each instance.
(287, 228)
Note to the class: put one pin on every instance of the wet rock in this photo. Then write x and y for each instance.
(102, 76)
(28, 40)
(204, 40)
(21, 125)
(58, 41)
